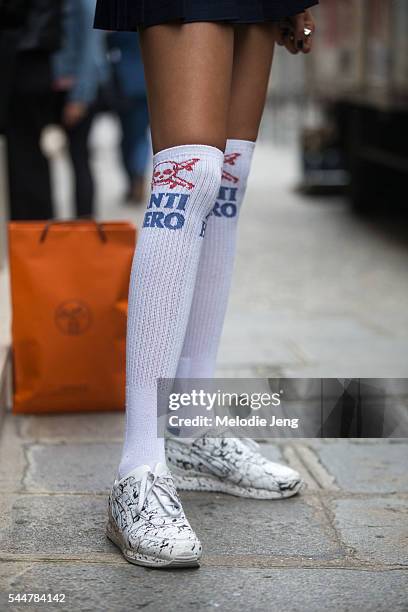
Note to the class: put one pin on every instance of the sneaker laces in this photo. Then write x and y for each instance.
(152, 484)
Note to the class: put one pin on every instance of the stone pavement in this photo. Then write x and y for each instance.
(340, 545)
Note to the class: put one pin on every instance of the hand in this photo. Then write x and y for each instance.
(73, 112)
(63, 83)
(291, 33)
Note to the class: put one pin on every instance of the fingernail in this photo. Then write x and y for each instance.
(299, 44)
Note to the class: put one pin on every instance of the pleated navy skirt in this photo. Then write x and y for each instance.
(130, 15)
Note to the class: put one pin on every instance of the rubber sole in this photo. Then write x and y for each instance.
(215, 485)
(178, 562)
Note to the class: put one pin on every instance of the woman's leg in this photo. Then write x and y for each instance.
(188, 74)
(253, 51)
(224, 464)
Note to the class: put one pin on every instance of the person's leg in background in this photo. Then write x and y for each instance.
(135, 144)
(142, 148)
(126, 116)
(78, 143)
(226, 464)
(28, 168)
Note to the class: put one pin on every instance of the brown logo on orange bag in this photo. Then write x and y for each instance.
(73, 317)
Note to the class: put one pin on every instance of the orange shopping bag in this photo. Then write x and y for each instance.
(69, 287)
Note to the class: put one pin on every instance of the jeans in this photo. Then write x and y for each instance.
(134, 119)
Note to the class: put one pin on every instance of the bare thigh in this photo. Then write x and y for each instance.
(188, 71)
(253, 53)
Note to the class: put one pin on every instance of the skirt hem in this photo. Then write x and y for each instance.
(128, 18)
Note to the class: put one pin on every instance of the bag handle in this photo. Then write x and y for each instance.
(98, 227)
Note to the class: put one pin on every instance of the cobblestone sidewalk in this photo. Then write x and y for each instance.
(341, 545)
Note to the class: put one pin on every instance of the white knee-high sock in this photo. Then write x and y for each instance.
(214, 274)
(186, 181)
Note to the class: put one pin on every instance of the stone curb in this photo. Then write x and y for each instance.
(5, 382)
(5, 349)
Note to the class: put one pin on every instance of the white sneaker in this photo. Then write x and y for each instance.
(229, 465)
(147, 521)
